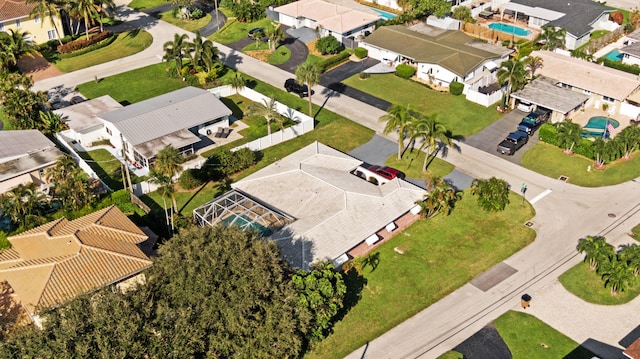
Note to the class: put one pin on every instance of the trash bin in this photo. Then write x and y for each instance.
(524, 301)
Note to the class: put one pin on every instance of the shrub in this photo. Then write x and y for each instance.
(462, 13)
(197, 14)
(225, 163)
(189, 179)
(585, 148)
(333, 61)
(90, 48)
(83, 42)
(632, 69)
(548, 133)
(456, 88)
(617, 17)
(361, 52)
(405, 71)
(364, 75)
(328, 45)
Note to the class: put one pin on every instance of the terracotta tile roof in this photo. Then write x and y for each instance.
(633, 350)
(54, 262)
(14, 9)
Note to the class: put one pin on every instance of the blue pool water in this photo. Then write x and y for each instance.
(596, 125)
(385, 14)
(614, 55)
(509, 29)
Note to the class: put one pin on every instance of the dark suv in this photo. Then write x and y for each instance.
(292, 86)
(513, 142)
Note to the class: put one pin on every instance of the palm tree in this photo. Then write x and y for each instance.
(52, 122)
(274, 34)
(397, 119)
(174, 51)
(14, 44)
(267, 109)
(605, 151)
(617, 274)
(85, 9)
(210, 55)
(193, 50)
(552, 37)
(22, 203)
(631, 254)
(532, 63)
(514, 74)
(164, 189)
(596, 250)
(569, 134)
(440, 197)
(69, 183)
(309, 74)
(430, 132)
(168, 162)
(493, 194)
(628, 139)
(106, 7)
(236, 81)
(46, 8)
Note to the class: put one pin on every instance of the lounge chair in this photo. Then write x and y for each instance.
(226, 132)
(220, 132)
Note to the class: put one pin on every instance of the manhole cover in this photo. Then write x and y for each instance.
(529, 224)
(611, 215)
(563, 178)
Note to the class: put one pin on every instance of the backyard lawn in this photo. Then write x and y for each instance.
(461, 117)
(529, 338)
(133, 86)
(549, 160)
(589, 286)
(411, 165)
(440, 255)
(146, 4)
(189, 25)
(127, 43)
(106, 167)
(234, 30)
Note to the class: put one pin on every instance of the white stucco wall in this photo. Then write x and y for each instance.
(630, 60)
(630, 110)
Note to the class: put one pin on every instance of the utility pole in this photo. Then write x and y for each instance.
(126, 168)
(523, 190)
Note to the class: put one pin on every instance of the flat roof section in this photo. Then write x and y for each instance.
(543, 93)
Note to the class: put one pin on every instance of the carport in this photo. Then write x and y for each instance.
(543, 92)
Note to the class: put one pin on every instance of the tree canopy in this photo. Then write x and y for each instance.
(212, 292)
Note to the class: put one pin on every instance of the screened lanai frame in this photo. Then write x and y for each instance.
(237, 208)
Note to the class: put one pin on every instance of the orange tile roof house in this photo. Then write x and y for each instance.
(53, 263)
(15, 15)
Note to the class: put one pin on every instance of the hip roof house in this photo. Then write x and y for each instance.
(53, 263)
(15, 15)
(24, 155)
(314, 206)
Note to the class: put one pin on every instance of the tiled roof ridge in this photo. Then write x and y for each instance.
(142, 237)
(38, 262)
(41, 229)
(122, 255)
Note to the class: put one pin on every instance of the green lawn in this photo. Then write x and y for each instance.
(635, 232)
(188, 200)
(146, 4)
(598, 34)
(127, 43)
(550, 160)
(313, 59)
(234, 30)
(189, 25)
(529, 338)
(411, 165)
(106, 167)
(277, 57)
(589, 286)
(462, 117)
(451, 354)
(440, 255)
(133, 86)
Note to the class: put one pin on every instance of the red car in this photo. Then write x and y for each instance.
(387, 172)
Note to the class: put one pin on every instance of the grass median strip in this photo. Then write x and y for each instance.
(589, 286)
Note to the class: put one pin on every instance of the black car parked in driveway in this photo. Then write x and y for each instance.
(255, 32)
(291, 85)
(513, 142)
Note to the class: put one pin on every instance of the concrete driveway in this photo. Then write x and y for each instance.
(488, 139)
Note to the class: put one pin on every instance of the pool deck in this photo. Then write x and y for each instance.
(612, 46)
(508, 20)
(582, 118)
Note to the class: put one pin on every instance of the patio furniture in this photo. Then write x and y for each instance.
(226, 132)
(219, 133)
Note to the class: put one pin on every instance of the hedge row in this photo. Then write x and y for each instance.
(90, 48)
(333, 61)
(632, 69)
(361, 52)
(83, 42)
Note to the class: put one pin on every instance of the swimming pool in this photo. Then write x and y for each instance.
(509, 29)
(385, 14)
(614, 55)
(596, 126)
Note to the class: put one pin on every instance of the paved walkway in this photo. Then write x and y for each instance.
(564, 213)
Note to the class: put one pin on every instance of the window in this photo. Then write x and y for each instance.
(1, 26)
(36, 19)
(52, 34)
(586, 92)
(108, 131)
(18, 23)
(608, 99)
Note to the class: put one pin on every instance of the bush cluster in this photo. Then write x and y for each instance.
(361, 52)
(197, 14)
(617, 17)
(405, 71)
(333, 61)
(632, 69)
(189, 179)
(225, 163)
(328, 45)
(456, 88)
(90, 48)
(83, 42)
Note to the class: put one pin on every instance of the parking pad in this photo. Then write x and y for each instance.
(493, 276)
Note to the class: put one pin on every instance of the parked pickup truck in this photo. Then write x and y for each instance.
(533, 120)
(513, 142)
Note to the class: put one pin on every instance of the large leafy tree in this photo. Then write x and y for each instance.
(596, 250)
(552, 37)
(429, 132)
(69, 184)
(397, 119)
(617, 274)
(493, 194)
(628, 139)
(321, 291)
(46, 9)
(569, 133)
(425, 8)
(23, 204)
(513, 73)
(631, 254)
(23, 107)
(440, 198)
(309, 74)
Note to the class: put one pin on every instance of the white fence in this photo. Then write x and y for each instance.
(81, 162)
(483, 99)
(304, 123)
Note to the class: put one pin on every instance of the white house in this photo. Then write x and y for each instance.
(329, 17)
(85, 126)
(441, 57)
(631, 50)
(578, 17)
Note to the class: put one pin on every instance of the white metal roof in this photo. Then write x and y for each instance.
(19, 143)
(82, 116)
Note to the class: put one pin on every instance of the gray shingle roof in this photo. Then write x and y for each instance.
(633, 49)
(24, 151)
(157, 117)
(542, 92)
(579, 14)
